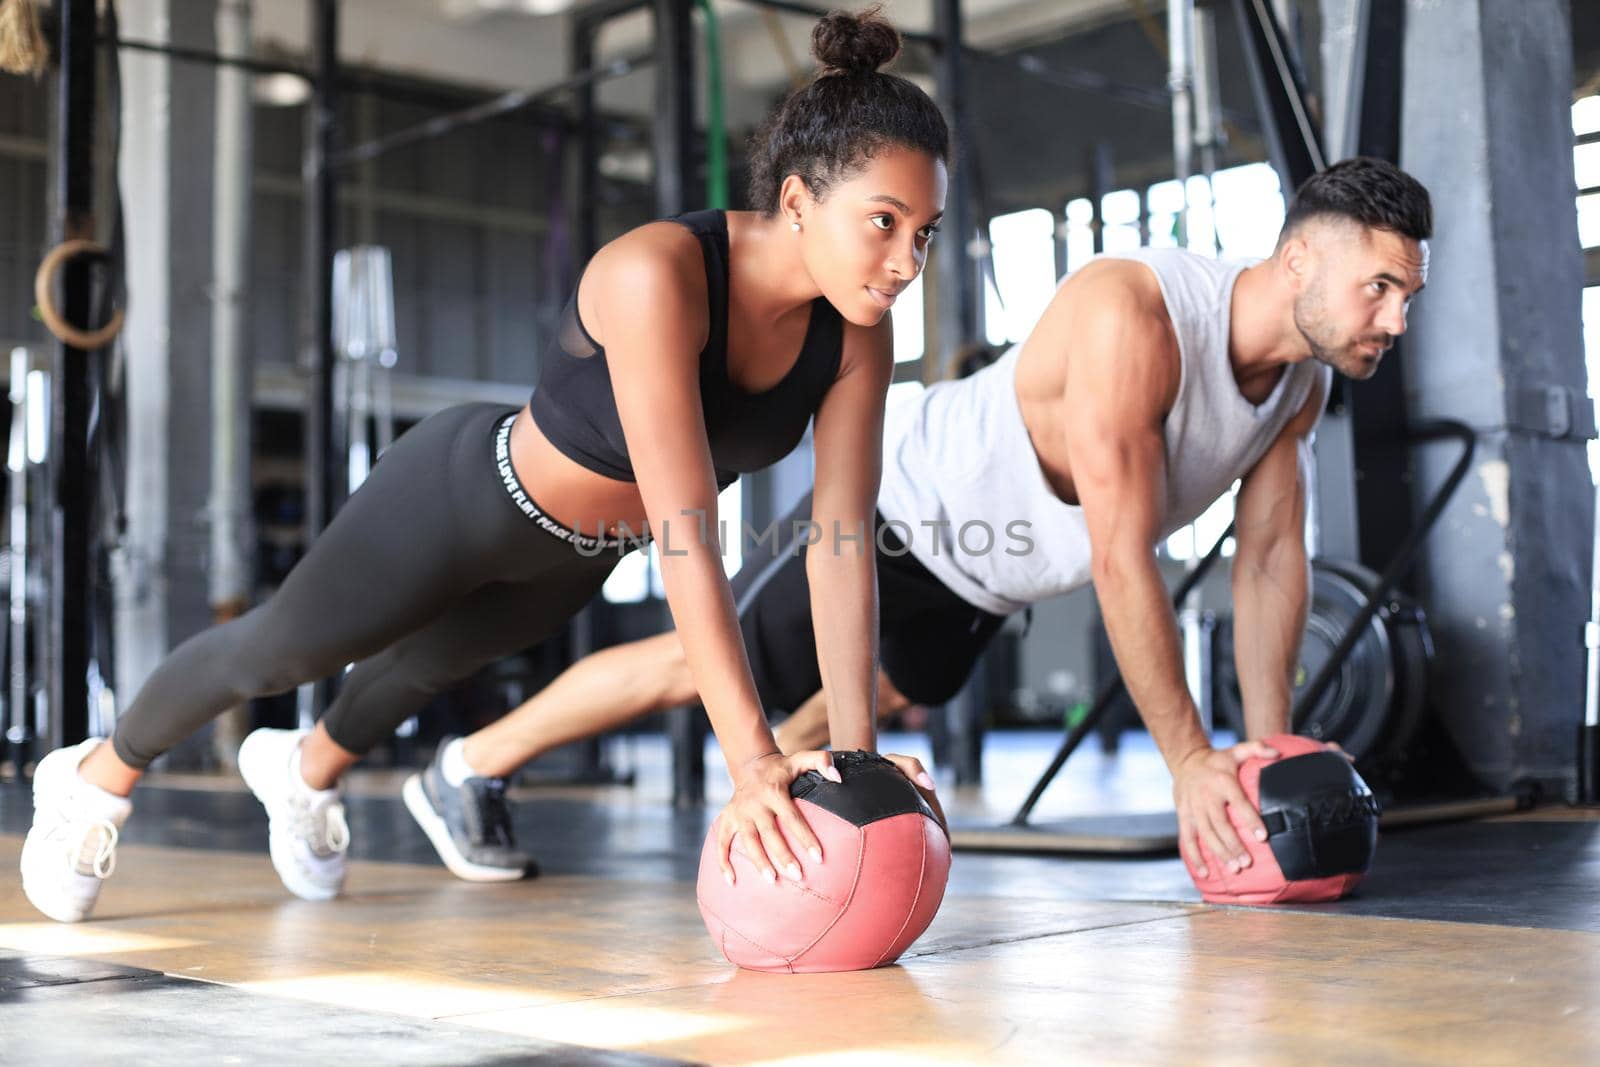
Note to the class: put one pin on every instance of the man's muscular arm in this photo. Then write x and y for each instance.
(1270, 573)
(1122, 373)
(1122, 377)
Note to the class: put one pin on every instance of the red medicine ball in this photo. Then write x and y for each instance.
(1322, 829)
(885, 860)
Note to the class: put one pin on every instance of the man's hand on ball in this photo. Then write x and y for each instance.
(1204, 784)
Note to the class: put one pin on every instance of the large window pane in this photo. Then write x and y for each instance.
(1165, 200)
(1589, 220)
(1586, 115)
(1024, 268)
(1119, 211)
(1196, 539)
(1201, 219)
(1591, 355)
(908, 323)
(1249, 210)
(1080, 233)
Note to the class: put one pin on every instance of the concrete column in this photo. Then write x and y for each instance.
(1496, 343)
(166, 175)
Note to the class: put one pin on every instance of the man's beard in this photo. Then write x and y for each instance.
(1342, 357)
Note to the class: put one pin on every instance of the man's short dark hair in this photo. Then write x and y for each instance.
(1373, 192)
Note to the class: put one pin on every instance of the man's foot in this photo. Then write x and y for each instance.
(72, 846)
(307, 834)
(469, 823)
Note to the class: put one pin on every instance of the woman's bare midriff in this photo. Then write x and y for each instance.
(572, 495)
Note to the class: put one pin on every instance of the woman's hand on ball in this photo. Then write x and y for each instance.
(918, 775)
(1204, 784)
(763, 819)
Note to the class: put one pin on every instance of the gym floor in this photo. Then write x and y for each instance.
(1470, 943)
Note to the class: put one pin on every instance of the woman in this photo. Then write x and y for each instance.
(483, 529)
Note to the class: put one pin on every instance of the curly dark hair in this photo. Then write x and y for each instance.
(1373, 192)
(850, 111)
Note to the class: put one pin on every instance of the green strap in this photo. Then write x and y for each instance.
(716, 126)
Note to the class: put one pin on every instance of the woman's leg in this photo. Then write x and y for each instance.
(421, 533)
(599, 693)
(396, 555)
(465, 816)
(492, 622)
(807, 728)
(616, 685)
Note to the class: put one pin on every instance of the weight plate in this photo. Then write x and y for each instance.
(1354, 709)
(1412, 643)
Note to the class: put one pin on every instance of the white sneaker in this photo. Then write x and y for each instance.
(307, 834)
(72, 845)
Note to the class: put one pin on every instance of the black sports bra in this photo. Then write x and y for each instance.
(576, 409)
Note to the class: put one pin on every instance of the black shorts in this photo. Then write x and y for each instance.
(929, 637)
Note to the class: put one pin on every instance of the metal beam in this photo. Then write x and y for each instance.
(598, 12)
(1293, 140)
(504, 104)
(1382, 473)
(320, 239)
(672, 141)
(324, 468)
(71, 505)
(672, 133)
(958, 276)
(201, 55)
(585, 166)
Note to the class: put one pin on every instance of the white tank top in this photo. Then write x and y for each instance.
(963, 488)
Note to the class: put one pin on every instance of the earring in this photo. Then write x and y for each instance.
(795, 226)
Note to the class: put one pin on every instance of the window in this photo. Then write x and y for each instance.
(1591, 357)
(1080, 233)
(1586, 168)
(1248, 210)
(1164, 200)
(1201, 217)
(1196, 539)
(1586, 172)
(1025, 268)
(1120, 211)
(908, 323)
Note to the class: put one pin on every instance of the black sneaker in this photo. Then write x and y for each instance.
(470, 826)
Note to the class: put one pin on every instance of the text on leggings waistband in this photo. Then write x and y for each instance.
(520, 497)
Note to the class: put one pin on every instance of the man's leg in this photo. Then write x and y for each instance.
(614, 686)
(390, 560)
(600, 692)
(807, 728)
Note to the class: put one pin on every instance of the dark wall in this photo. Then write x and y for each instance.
(24, 116)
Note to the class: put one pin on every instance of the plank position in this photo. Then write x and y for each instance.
(694, 349)
(1153, 380)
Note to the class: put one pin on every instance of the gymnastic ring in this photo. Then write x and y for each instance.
(44, 296)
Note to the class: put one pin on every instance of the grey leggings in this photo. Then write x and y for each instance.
(429, 571)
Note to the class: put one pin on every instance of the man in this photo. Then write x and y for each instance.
(1153, 380)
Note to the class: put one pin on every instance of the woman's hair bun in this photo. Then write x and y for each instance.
(854, 44)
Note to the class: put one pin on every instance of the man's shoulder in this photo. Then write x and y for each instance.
(1120, 295)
